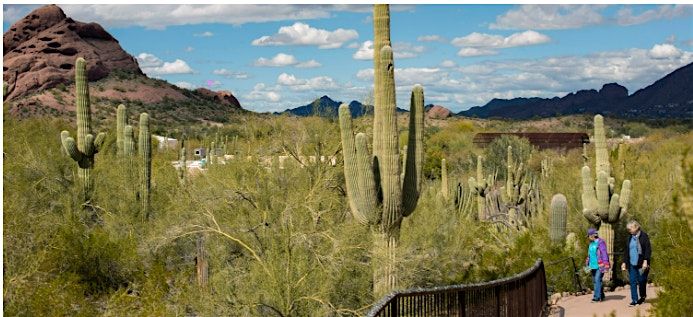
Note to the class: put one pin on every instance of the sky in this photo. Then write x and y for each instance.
(274, 57)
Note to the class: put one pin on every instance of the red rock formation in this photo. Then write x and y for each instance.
(222, 96)
(438, 112)
(39, 51)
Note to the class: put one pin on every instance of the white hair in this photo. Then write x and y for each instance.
(633, 224)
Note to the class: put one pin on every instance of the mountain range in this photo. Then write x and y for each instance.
(668, 97)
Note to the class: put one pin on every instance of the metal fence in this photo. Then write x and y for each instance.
(523, 294)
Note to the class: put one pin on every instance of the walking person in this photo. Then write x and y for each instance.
(637, 260)
(598, 262)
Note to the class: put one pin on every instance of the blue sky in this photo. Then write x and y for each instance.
(274, 57)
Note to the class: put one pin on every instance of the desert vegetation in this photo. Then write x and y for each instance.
(106, 225)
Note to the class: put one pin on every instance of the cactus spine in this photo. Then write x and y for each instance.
(600, 204)
(368, 175)
(87, 145)
(121, 122)
(559, 214)
(145, 151)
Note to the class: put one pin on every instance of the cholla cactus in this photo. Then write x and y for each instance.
(87, 145)
(145, 151)
(601, 205)
(368, 174)
(559, 214)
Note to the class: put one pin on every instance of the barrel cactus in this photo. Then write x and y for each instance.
(368, 174)
(601, 205)
(559, 214)
(145, 151)
(86, 147)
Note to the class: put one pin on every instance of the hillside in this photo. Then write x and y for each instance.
(38, 66)
(669, 97)
(328, 108)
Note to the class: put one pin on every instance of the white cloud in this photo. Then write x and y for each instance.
(279, 60)
(448, 64)
(664, 51)
(303, 34)
(568, 16)
(473, 52)
(484, 40)
(477, 83)
(152, 65)
(204, 34)
(160, 16)
(309, 64)
(400, 50)
(549, 17)
(185, 85)
(430, 38)
(263, 93)
(230, 74)
(320, 83)
(353, 45)
(625, 15)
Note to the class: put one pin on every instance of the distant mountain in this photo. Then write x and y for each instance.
(326, 107)
(669, 97)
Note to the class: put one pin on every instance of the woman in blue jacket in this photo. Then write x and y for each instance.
(598, 262)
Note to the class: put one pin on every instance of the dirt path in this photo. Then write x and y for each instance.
(617, 302)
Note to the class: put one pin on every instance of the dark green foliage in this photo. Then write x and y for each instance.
(495, 154)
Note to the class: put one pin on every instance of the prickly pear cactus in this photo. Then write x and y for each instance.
(86, 147)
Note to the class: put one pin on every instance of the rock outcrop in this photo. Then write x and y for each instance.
(222, 96)
(39, 51)
(438, 112)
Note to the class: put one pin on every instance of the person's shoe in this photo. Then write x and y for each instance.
(594, 300)
(641, 300)
(633, 304)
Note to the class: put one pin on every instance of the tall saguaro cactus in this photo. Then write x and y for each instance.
(87, 145)
(444, 189)
(480, 187)
(601, 205)
(121, 122)
(145, 151)
(559, 214)
(379, 196)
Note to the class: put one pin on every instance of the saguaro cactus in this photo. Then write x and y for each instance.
(600, 204)
(181, 161)
(145, 151)
(378, 196)
(559, 214)
(480, 187)
(121, 122)
(87, 145)
(444, 189)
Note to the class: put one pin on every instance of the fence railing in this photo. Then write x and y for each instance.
(523, 294)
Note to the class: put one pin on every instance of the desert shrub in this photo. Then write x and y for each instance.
(496, 153)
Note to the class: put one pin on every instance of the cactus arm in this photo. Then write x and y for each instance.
(89, 145)
(589, 198)
(98, 141)
(625, 196)
(415, 152)
(603, 193)
(351, 175)
(70, 146)
(366, 180)
(614, 209)
(389, 155)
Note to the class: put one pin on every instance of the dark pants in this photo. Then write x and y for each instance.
(597, 276)
(638, 282)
